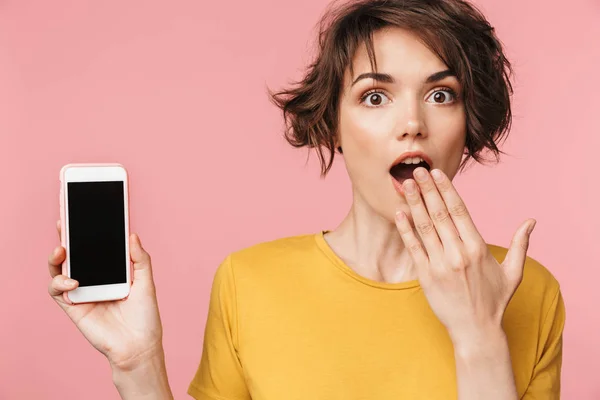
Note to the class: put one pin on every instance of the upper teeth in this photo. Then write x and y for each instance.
(412, 160)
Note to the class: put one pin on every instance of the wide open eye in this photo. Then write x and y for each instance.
(442, 96)
(375, 99)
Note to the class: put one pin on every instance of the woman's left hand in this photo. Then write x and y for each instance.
(466, 287)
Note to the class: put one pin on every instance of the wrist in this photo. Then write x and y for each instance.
(482, 343)
(483, 366)
(150, 355)
(145, 379)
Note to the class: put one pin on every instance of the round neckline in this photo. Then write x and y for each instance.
(340, 264)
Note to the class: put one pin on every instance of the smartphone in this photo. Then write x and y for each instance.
(94, 214)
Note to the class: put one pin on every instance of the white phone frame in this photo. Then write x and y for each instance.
(94, 173)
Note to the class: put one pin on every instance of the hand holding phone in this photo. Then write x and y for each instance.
(126, 331)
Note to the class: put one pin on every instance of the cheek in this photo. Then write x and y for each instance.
(447, 129)
(363, 132)
(363, 137)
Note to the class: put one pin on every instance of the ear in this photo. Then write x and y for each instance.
(337, 143)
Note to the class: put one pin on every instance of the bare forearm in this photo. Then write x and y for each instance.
(484, 369)
(148, 381)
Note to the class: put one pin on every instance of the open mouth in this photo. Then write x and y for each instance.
(405, 168)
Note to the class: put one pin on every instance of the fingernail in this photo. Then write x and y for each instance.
(410, 187)
(530, 228)
(421, 174)
(400, 215)
(437, 175)
(69, 282)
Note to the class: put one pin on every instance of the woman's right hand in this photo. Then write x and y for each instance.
(128, 332)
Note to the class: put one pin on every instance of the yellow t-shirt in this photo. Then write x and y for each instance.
(289, 320)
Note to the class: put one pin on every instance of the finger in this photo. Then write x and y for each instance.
(517, 252)
(412, 242)
(458, 210)
(423, 224)
(60, 284)
(142, 264)
(55, 260)
(438, 212)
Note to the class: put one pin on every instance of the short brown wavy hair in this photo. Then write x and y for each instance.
(455, 30)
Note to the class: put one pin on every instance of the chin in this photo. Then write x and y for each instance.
(388, 212)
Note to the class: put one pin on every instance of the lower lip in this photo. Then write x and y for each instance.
(398, 185)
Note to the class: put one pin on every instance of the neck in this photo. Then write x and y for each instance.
(371, 245)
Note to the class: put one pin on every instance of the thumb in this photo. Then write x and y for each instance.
(517, 252)
(142, 264)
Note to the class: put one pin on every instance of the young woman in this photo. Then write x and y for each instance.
(404, 299)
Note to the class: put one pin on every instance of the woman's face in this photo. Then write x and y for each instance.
(412, 105)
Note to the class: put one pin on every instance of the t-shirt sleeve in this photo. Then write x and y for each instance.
(220, 375)
(545, 382)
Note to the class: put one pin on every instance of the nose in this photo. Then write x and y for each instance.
(412, 124)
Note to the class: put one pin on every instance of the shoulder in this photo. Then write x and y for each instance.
(274, 249)
(270, 269)
(273, 255)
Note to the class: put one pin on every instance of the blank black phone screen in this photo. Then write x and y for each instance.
(97, 232)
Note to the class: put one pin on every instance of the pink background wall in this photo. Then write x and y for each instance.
(176, 91)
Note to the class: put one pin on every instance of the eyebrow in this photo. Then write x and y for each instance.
(438, 76)
(387, 78)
